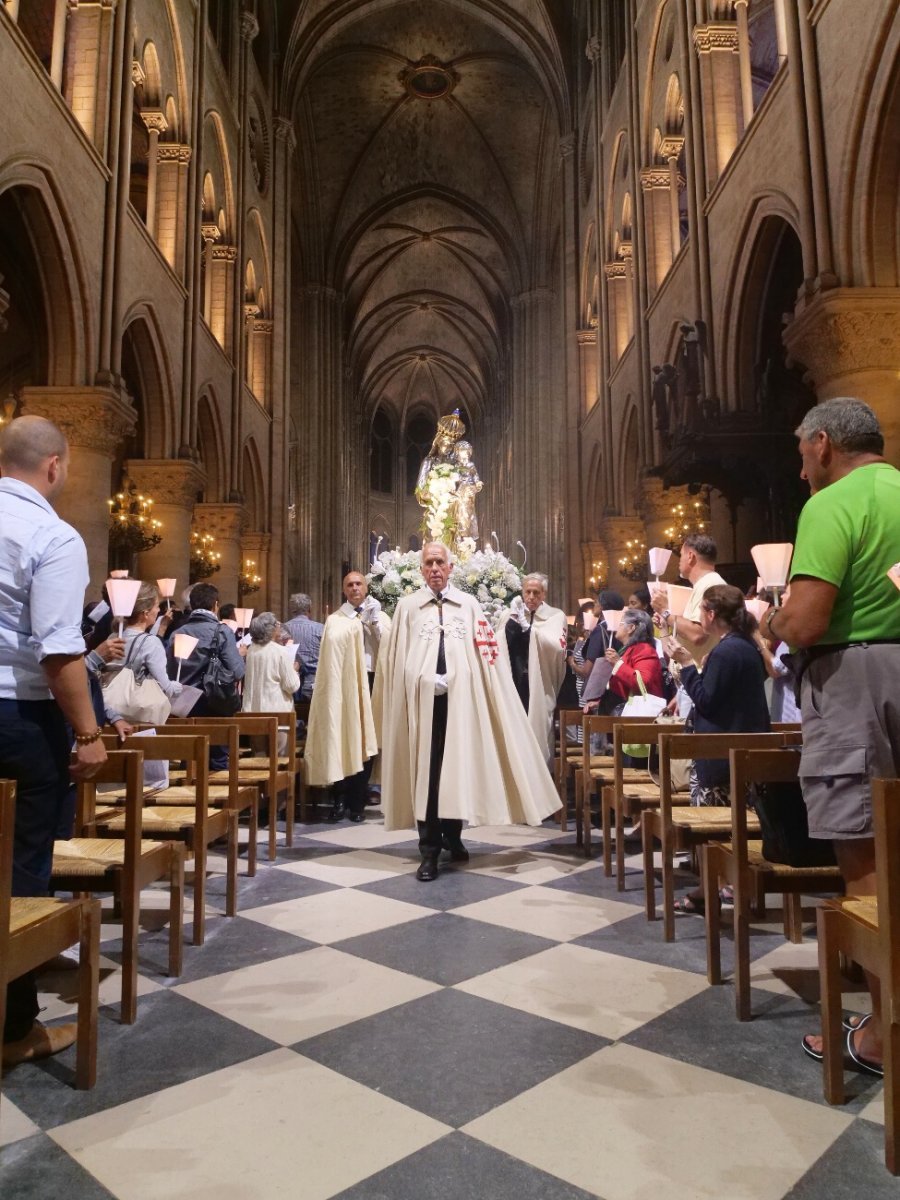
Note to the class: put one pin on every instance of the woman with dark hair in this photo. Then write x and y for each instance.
(640, 598)
(728, 694)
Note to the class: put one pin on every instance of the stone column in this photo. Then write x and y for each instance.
(587, 349)
(255, 547)
(88, 90)
(717, 49)
(617, 309)
(221, 287)
(617, 531)
(660, 248)
(743, 32)
(224, 522)
(58, 51)
(174, 485)
(171, 196)
(671, 150)
(156, 123)
(210, 233)
(259, 356)
(95, 421)
(849, 341)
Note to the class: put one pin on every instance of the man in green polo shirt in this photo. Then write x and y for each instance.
(845, 611)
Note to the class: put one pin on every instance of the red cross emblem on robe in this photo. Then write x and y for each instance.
(486, 642)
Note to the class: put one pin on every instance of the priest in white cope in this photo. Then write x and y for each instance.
(455, 741)
(340, 741)
(532, 639)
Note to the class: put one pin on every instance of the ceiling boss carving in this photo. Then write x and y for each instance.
(429, 78)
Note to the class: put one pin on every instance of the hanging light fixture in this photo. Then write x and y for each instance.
(132, 525)
(631, 564)
(249, 581)
(685, 521)
(205, 558)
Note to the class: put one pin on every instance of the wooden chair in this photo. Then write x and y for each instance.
(291, 762)
(273, 779)
(567, 759)
(35, 928)
(689, 827)
(594, 772)
(123, 866)
(197, 824)
(236, 794)
(740, 863)
(628, 796)
(866, 929)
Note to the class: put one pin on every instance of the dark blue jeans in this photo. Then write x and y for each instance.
(34, 751)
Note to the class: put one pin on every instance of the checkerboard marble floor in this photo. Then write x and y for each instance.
(513, 1031)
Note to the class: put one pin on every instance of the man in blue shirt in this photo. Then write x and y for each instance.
(43, 684)
(308, 636)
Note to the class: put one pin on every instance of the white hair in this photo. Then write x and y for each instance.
(539, 577)
(443, 545)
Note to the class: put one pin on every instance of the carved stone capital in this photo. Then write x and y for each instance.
(614, 270)
(567, 145)
(283, 128)
(719, 35)
(168, 481)
(593, 49)
(95, 418)
(671, 147)
(626, 251)
(210, 231)
(256, 544)
(619, 530)
(222, 521)
(137, 71)
(653, 178)
(587, 337)
(847, 331)
(173, 152)
(249, 26)
(538, 295)
(656, 502)
(225, 253)
(263, 325)
(154, 118)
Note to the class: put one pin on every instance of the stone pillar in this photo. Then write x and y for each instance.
(156, 123)
(88, 78)
(221, 286)
(255, 547)
(849, 341)
(210, 233)
(224, 522)
(587, 350)
(617, 309)
(671, 150)
(780, 31)
(174, 485)
(617, 531)
(95, 421)
(660, 248)
(58, 52)
(655, 504)
(743, 32)
(717, 48)
(12, 7)
(259, 356)
(171, 196)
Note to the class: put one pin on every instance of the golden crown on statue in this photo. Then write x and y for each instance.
(451, 425)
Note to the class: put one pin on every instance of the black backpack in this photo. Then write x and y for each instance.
(785, 832)
(220, 682)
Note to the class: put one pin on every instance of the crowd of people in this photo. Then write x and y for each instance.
(459, 715)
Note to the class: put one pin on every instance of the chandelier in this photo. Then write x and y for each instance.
(598, 578)
(249, 581)
(132, 526)
(685, 521)
(205, 559)
(633, 563)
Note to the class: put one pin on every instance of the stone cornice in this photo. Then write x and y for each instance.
(716, 36)
(168, 481)
(615, 270)
(586, 337)
(256, 543)
(96, 418)
(655, 178)
(263, 325)
(223, 521)
(846, 330)
(225, 253)
(173, 152)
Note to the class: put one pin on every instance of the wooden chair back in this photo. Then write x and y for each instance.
(122, 767)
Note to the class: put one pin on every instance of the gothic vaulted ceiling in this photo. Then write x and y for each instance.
(425, 186)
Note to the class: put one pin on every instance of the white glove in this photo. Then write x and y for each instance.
(519, 612)
(370, 610)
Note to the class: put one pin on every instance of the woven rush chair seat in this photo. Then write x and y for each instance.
(756, 859)
(260, 763)
(164, 819)
(28, 910)
(92, 856)
(697, 820)
(861, 908)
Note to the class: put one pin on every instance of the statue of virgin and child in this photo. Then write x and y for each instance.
(447, 486)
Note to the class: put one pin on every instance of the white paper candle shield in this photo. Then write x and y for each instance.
(122, 595)
(773, 561)
(166, 588)
(243, 616)
(589, 621)
(183, 645)
(678, 598)
(612, 617)
(759, 608)
(659, 559)
(232, 625)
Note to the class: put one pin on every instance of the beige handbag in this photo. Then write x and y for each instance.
(137, 697)
(679, 768)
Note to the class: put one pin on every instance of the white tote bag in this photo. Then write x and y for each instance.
(643, 705)
(137, 697)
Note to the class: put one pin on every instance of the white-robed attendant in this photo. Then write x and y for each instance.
(340, 741)
(532, 639)
(455, 742)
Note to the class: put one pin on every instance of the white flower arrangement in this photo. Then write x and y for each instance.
(487, 575)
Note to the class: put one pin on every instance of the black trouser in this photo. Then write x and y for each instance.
(354, 790)
(34, 751)
(434, 828)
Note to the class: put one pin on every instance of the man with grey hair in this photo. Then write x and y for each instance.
(532, 639)
(43, 685)
(307, 634)
(456, 744)
(843, 612)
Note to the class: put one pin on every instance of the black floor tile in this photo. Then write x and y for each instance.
(765, 1051)
(270, 885)
(460, 1168)
(36, 1169)
(455, 886)
(851, 1168)
(444, 948)
(172, 1041)
(451, 1055)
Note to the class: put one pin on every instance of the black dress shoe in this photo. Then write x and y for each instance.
(456, 850)
(428, 869)
(338, 812)
(356, 817)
